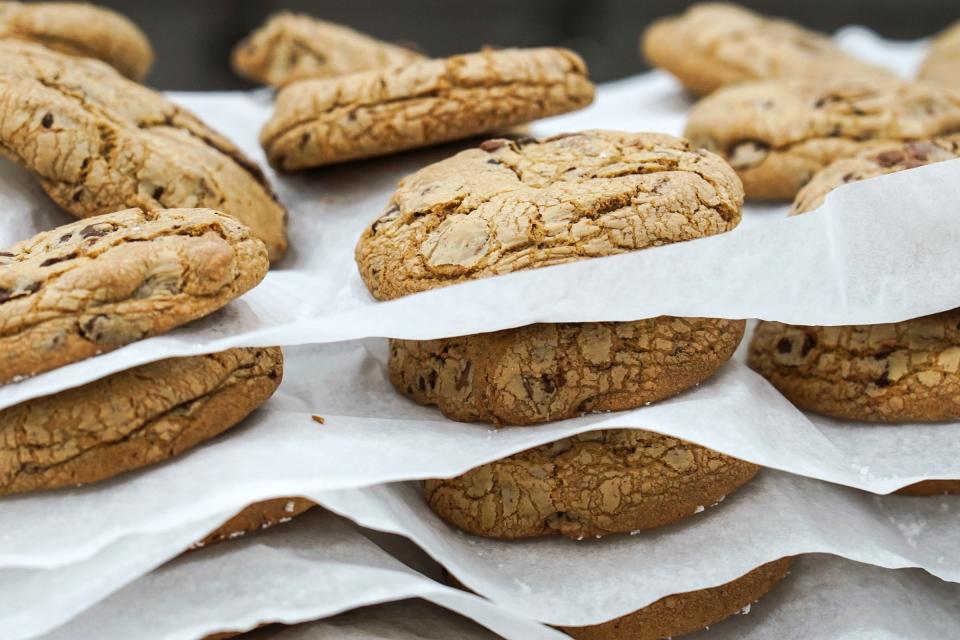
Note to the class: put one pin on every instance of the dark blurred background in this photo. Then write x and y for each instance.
(193, 38)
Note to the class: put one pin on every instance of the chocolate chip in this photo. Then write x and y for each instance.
(56, 259)
(882, 355)
(432, 379)
(158, 193)
(33, 287)
(491, 145)
(493, 161)
(77, 195)
(272, 374)
(89, 328)
(848, 177)
(47, 121)
(808, 344)
(784, 346)
(64, 238)
(884, 380)
(548, 384)
(888, 158)
(92, 231)
(5, 254)
(5, 294)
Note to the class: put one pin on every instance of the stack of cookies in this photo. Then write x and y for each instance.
(176, 223)
(510, 205)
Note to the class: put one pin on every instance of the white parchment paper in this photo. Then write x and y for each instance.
(318, 566)
(566, 582)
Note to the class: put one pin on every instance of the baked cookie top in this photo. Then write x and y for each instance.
(511, 205)
(80, 29)
(875, 161)
(100, 143)
(746, 122)
(942, 64)
(318, 122)
(131, 418)
(291, 47)
(96, 284)
(716, 44)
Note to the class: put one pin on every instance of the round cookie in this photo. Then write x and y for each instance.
(291, 47)
(545, 372)
(375, 113)
(592, 484)
(257, 516)
(778, 134)
(684, 613)
(131, 419)
(98, 142)
(714, 44)
(510, 205)
(901, 372)
(80, 29)
(942, 64)
(97, 284)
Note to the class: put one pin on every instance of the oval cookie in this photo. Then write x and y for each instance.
(712, 45)
(593, 484)
(99, 143)
(320, 122)
(80, 29)
(257, 516)
(290, 47)
(684, 613)
(778, 134)
(97, 284)
(131, 419)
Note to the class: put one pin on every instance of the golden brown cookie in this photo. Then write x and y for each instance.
(593, 484)
(545, 372)
(684, 613)
(100, 283)
(901, 372)
(80, 29)
(714, 44)
(877, 160)
(257, 516)
(99, 143)
(931, 488)
(942, 64)
(291, 47)
(131, 419)
(511, 205)
(320, 122)
(778, 134)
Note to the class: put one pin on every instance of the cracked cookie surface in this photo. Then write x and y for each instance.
(592, 484)
(290, 47)
(897, 372)
(100, 283)
(319, 122)
(257, 516)
(99, 143)
(508, 206)
(683, 613)
(778, 134)
(546, 372)
(131, 419)
(942, 64)
(80, 29)
(713, 45)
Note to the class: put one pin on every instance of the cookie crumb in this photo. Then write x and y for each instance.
(318, 419)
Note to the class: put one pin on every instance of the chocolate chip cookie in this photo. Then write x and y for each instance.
(81, 30)
(899, 372)
(257, 516)
(593, 484)
(713, 45)
(778, 134)
(688, 612)
(131, 419)
(100, 283)
(931, 488)
(291, 47)
(942, 64)
(99, 143)
(320, 122)
(510, 205)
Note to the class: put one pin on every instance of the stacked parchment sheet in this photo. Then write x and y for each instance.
(79, 557)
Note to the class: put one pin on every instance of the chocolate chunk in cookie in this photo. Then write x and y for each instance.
(100, 283)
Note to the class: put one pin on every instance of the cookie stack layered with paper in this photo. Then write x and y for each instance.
(512, 205)
(177, 223)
